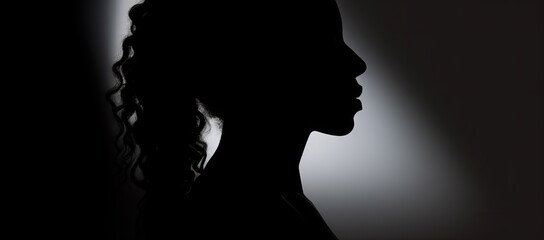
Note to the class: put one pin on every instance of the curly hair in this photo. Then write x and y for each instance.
(159, 142)
(137, 108)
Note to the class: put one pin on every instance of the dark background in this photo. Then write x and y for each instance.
(476, 66)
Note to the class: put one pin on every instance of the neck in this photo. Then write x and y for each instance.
(269, 162)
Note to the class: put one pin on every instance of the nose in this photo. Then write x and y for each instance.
(355, 65)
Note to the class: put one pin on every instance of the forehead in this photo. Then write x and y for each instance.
(324, 15)
(300, 19)
(255, 26)
(260, 12)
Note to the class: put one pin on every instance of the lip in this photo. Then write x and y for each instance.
(359, 91)
(358, 105)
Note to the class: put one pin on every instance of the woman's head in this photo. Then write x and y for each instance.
(281, 61)
(251, 57)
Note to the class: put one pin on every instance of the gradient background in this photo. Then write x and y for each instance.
(449, 144)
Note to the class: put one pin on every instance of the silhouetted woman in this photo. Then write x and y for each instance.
(272, 71)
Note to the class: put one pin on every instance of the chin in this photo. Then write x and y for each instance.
(336, 128)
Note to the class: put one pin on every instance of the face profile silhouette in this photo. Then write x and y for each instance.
(272, 72)
(308, 72)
